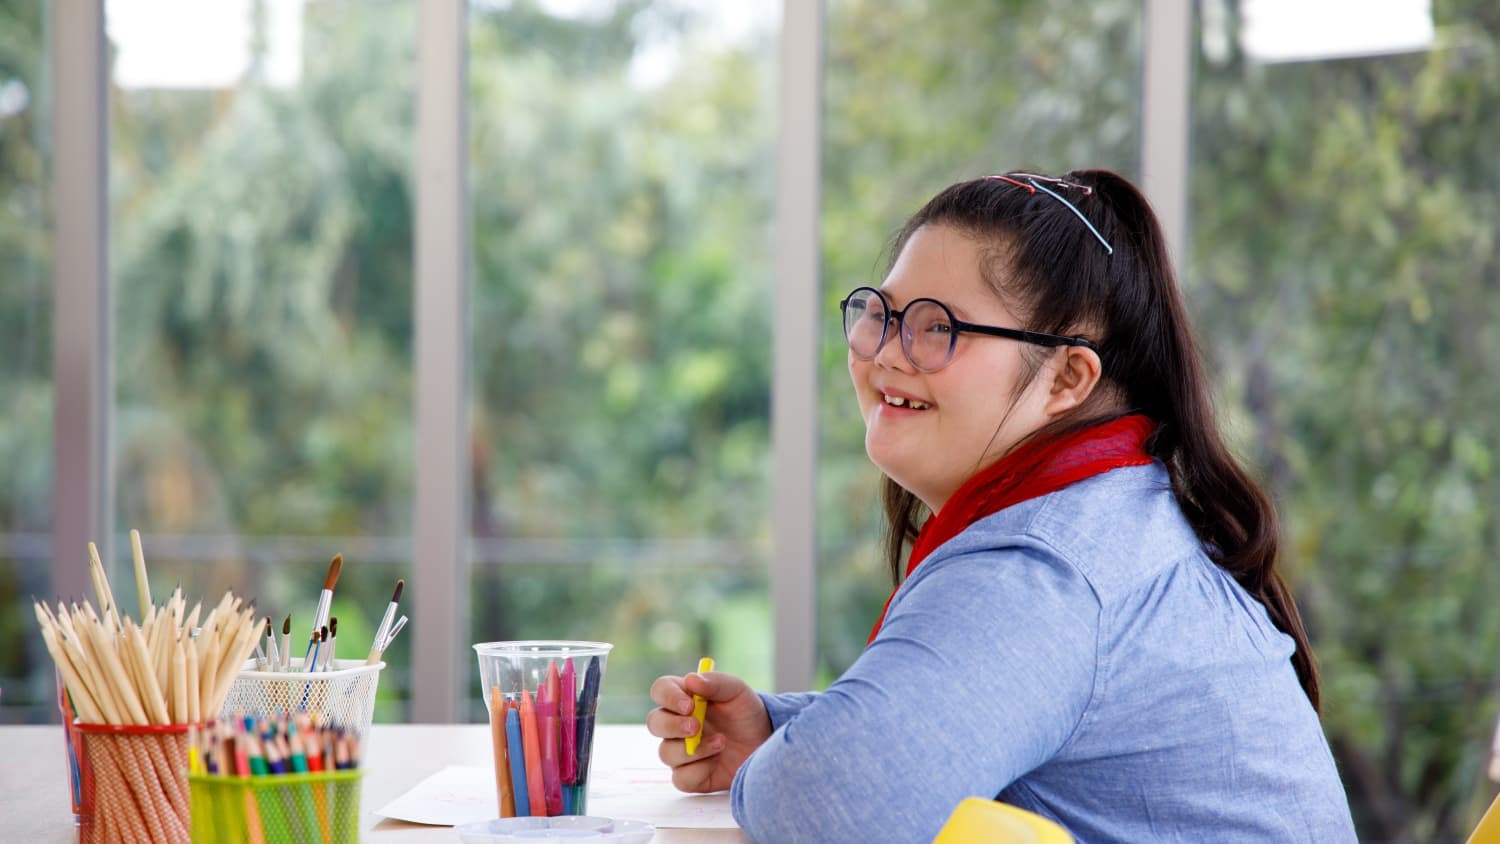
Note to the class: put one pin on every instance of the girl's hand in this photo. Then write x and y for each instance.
(735, 724)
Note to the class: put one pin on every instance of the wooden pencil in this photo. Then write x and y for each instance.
(142, 584)
(118, 671)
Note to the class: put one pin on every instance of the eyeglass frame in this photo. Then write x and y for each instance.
(1038, 338)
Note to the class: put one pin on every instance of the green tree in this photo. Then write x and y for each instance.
(621, 346)
(1343, 269)
(262, 267)
(25, 340)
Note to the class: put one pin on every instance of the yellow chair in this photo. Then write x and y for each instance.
(1488, 831)
(980, 821)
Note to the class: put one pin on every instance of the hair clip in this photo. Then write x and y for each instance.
(1076, 212)
(1029, 188)
(1087, 191)
(1032, 186)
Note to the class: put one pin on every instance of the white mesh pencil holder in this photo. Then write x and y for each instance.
(344, 696)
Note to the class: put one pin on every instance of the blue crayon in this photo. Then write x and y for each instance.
(517, 763)
(588, 702)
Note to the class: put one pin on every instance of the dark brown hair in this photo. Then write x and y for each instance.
(1048, 267)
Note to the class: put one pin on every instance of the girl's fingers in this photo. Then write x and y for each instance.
(673, 753)
(670, 725)
(667, 692)
(694, 776)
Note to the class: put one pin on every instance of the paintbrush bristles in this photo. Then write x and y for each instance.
(334, 568)
(396, 596)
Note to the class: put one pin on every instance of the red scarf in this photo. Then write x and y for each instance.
(1035, 469)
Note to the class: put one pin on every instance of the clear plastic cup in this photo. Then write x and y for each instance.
(542, 697)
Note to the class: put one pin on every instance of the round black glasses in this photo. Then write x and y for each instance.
(929, 331)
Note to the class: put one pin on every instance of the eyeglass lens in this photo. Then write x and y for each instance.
(926, 329)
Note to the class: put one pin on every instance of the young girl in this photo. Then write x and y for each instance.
(1091, 626)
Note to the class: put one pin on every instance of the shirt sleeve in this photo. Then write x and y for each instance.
(784, 707)
(983, 670)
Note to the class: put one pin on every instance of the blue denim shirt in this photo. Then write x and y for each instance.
(1077, 655)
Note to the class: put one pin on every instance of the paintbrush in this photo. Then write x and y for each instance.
(273, 654)
(377, 648)
(325, 599)
(333, 644)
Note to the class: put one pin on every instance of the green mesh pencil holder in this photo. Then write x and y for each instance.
(305, 808)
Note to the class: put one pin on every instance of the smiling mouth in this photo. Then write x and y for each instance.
(897, 401)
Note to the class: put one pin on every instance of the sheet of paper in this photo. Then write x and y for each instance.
(452, 796)
(460, 794)
(646, 793)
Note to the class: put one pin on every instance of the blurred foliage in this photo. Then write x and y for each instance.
(25, 338)
(1342, 271)
(620, 334)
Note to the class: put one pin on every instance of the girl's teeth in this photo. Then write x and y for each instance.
(897, 401)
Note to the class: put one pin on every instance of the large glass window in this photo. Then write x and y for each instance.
(1345, 264)
(919, 95)
(261, 256)
(621, 173)
(25, 358)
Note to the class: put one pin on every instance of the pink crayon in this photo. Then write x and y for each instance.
(546, 715)
(569, 724)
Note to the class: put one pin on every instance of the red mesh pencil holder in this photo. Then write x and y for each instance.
(134, 783)
(71, 741)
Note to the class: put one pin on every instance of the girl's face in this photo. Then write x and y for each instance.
(931, 431)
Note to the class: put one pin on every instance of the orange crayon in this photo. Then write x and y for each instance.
(502, 757)
(531, 746)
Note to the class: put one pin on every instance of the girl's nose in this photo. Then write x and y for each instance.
(891, 355)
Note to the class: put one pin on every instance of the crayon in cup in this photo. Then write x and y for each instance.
(550, 694)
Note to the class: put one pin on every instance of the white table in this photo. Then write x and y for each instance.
(34, 792)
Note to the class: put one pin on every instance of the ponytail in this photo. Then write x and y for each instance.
(1228, 510)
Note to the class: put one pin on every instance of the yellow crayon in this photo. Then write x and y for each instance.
(700, 709)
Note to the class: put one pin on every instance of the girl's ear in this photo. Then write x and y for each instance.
(1074, 378)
